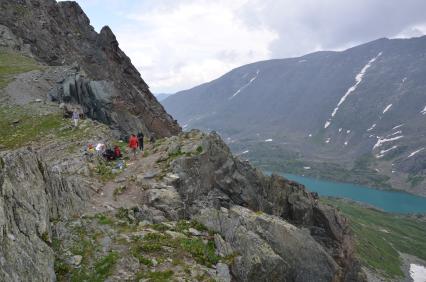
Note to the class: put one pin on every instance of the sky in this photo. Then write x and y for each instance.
(178, 44)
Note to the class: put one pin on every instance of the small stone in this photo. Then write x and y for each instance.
(76, 260)
(38, 100)
(154, 262)
(194, 232)
(144, 223)
(11, 237)
(175, 235)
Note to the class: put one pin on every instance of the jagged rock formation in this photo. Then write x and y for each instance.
(213, 186)
(112, 90)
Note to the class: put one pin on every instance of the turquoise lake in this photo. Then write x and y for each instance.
(390, 201)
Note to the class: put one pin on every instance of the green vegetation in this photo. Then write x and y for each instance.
(22, 125)
(118, 191)
(103, 219)
(203, 253)
(414, 180)
(158, 276)
(12, 63)
(199, 149)
(380, 236)
(184, 225)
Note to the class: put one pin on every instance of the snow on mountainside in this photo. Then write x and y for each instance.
(358, 111)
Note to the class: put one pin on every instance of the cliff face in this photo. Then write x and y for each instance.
(105, 82)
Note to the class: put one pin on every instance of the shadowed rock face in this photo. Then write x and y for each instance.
(61, 34)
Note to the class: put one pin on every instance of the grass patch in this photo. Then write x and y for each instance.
(184, 225)
(118, 191)
(414, 180)
(202, 253)
(158, 276)
(380, 236)
(103, 219)
(13, 63)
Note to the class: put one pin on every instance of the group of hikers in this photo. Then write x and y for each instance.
(114, 153)
(136, 143)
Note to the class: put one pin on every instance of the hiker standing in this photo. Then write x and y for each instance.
(140, 140)
(75, 117)
(133, 145)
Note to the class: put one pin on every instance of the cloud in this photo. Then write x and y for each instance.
(192, 42)
(177, 44)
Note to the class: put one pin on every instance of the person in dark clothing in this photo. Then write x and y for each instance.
(109, 155)
(140, 139)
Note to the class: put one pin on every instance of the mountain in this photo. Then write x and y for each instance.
(187, 210)
(356, 116)
(162, 96)
(101, 78)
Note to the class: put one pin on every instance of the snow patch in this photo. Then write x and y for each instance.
(372, 127)
(423, 112)
(383, 152)
(418, 273)
(395, 133)
(245, 152)
(404, 79)
(348, 131)
(245, 85)
(184, 126)
(302, 61)
(415, 152)
(340, 129)
(358, 79)
(269, 140)
(307, 167)
(346, 143)
(381, 141)
(310, 135)
(387, 108)
(327, 140)
(398, 126)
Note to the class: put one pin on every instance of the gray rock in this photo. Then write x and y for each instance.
(76, 260)
(223, 274)
(194, 232)
(269, 248)
(32, 194)
(223, 248)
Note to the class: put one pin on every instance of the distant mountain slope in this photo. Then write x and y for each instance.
(357, 115)
(162, 96)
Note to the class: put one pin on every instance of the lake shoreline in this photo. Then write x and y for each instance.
(390, 201)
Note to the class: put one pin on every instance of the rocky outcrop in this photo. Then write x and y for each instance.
(269, 248)
(61, 34)
(31, 195)
(228, 194)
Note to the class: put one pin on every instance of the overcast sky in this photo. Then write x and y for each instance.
(178, 44)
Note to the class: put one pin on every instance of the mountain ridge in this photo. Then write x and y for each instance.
(293, 100)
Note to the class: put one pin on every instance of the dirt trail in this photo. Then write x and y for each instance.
(125, 190)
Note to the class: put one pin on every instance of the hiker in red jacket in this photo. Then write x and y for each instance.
(133, 144)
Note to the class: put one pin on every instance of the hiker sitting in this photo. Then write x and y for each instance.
(109, 155)
(117, 152)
